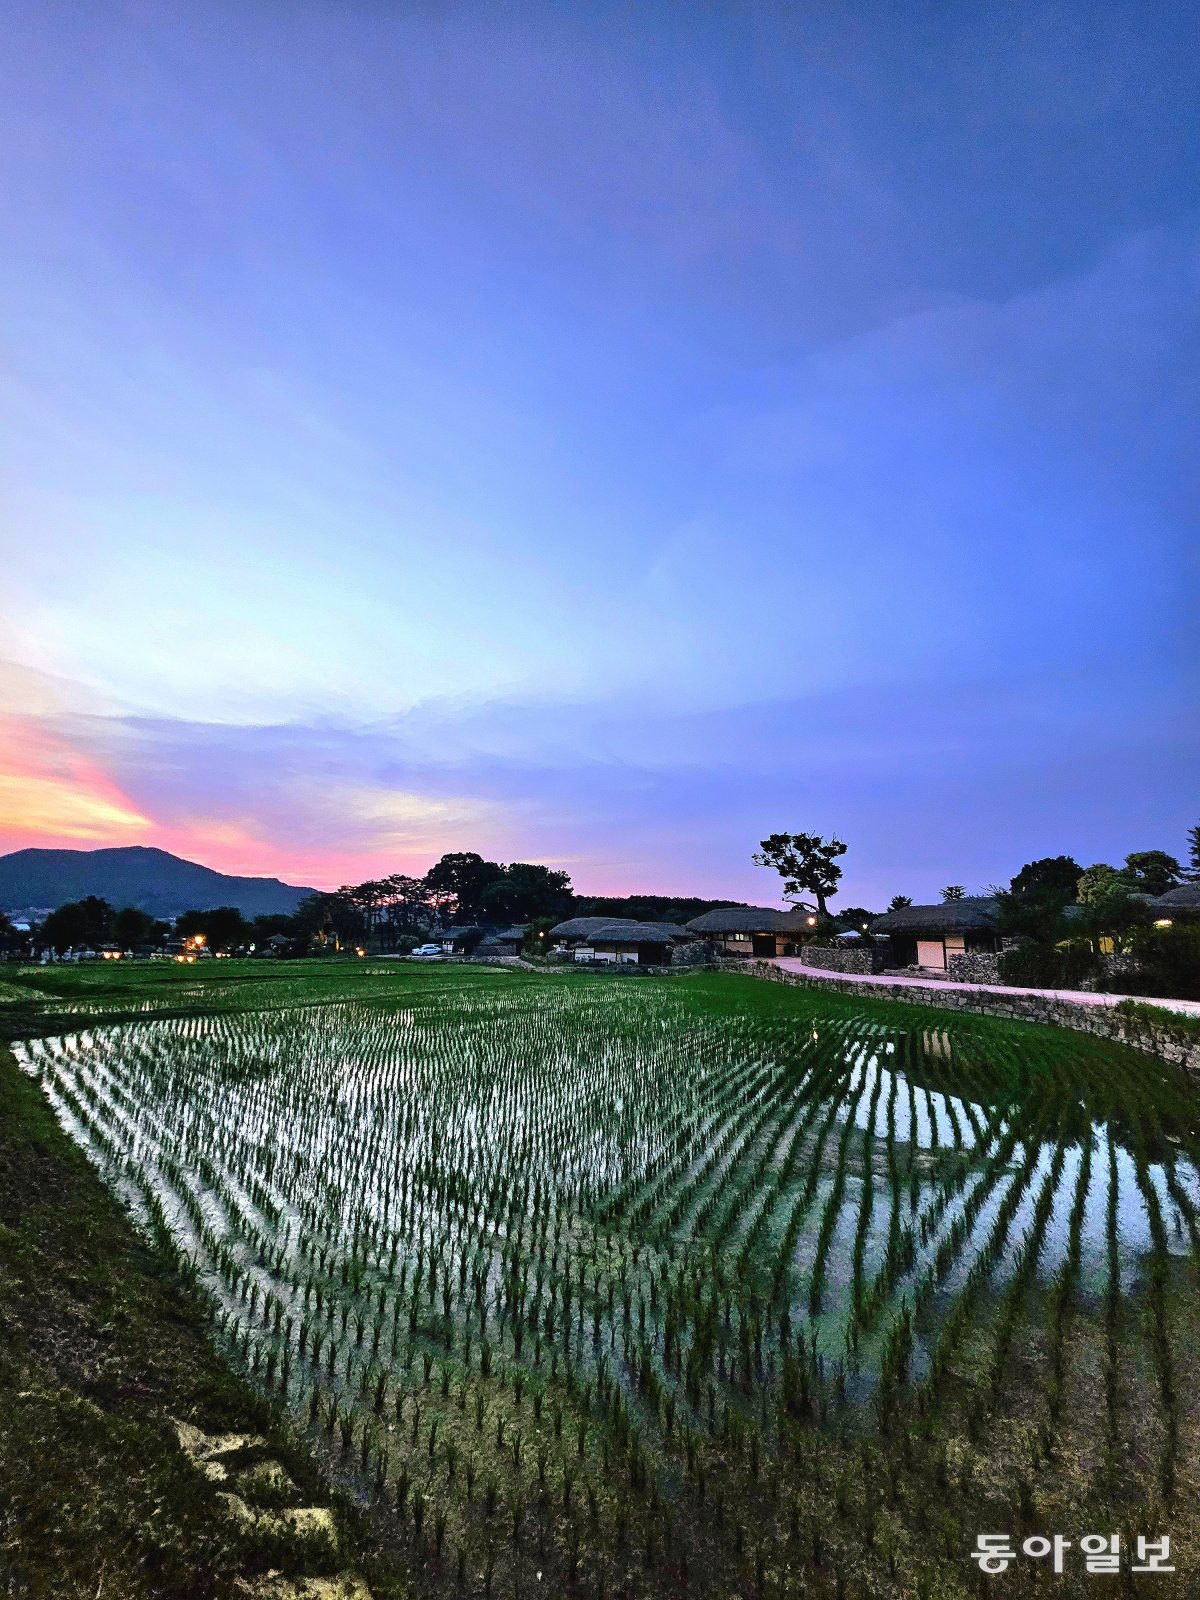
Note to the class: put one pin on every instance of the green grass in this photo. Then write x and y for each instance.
(695, 1286)
(1177, 1023)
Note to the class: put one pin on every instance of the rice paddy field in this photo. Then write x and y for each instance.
(594, 1285)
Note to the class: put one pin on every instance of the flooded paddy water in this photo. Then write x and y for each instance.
(678, 1286)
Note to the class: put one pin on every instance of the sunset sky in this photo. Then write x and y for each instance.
(600, 434)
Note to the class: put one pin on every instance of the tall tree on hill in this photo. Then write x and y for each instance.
(806, 862)
(899, 902)
(953, 892)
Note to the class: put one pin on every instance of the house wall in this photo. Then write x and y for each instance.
(931, 953)
(614, 954)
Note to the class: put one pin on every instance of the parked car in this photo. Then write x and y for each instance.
(427, 950)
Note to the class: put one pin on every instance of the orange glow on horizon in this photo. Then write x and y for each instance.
(51, 794)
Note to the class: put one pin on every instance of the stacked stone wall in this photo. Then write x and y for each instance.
(976, 966)
(856, 958)
(1102, 1021)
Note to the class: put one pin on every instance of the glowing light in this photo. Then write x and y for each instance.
(812, 921)
(1163, 922)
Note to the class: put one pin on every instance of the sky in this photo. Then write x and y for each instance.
(600, 434)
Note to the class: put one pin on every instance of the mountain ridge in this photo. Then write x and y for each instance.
(154, 880)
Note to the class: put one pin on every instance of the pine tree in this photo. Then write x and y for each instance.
(1192, 870)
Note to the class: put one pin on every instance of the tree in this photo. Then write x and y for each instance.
(537, 936)
(525, 890)
(368, 898)
(1099, 883)
(1168, 962)
(1107, 904)
(854, 917)
(223, 927)
(954, 891)
(1192, 871)
(1152, 872)
(805, 861)
(456, 882)
(328, 919)
(78, 922)
(899, 901)
(406, 904)
(1034, 902)
(132, 927)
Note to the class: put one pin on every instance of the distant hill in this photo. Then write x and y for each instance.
(134, 875)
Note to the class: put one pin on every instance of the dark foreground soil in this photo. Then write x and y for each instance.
(102, 1350)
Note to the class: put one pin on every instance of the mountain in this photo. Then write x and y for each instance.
(134, 875)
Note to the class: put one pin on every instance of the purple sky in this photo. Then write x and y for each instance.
(601, 435)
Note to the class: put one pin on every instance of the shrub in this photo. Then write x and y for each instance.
(1168, 962)
(1041, 966)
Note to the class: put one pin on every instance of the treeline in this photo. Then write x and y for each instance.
(383, 914)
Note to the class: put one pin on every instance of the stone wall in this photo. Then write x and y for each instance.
(976, 966)
(1104, 1022)
(857, 958)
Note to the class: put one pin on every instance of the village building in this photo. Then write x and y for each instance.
(928, 936)
(617, 940)
(1177, 905)
(755, 930)
(482, 939)
(648, 944)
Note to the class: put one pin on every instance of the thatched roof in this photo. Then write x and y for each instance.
(749, 919)
(1185, 898)
(951, 916)
(625, 932)
(584, 927)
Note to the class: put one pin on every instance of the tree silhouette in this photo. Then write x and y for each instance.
(805, 862)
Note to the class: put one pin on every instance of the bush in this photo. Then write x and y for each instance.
(1168, 962)
(1043, 966)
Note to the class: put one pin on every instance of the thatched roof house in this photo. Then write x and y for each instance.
(927, 936)
(619, 940)
(576, 928)
(1183, 902)
(754, 930)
